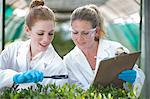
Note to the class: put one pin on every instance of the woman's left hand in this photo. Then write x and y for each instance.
(128, 76)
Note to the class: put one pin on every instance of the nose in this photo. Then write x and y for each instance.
(46, 39)
(80, 37)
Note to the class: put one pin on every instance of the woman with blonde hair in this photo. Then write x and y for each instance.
(88, 35)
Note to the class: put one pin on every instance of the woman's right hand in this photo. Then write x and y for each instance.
(28, 77)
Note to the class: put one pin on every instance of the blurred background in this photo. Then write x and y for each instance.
(123, 23)
(121, 17)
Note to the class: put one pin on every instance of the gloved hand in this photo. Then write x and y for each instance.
(28, 77)
(128, 76)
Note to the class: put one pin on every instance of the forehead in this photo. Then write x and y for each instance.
(45, 25)
(82, 24)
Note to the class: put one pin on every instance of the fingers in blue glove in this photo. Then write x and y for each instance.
(34, 76)
(128, 76)
(127, 79)
(128, 72)
(28, 77)
(39, 76)
(19, 78)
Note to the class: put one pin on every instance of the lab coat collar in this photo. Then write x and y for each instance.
(102, 49)
(102, 52)
(43, 59)
(22, 55)
(48, 55)
(85, 67)
(81, 56)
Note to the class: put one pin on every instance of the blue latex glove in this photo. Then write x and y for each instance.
(28, 77)
(128, 76)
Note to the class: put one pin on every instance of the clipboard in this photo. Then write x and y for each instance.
(109, 69)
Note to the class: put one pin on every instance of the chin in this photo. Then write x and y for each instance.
(43, 49)
(82, 47)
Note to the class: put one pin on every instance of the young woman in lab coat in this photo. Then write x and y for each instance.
(28, 62)
(82, 62)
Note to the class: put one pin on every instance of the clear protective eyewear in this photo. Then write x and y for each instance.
(83, 33)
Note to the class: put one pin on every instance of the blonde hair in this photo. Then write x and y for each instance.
(38, 12)
(92, 14)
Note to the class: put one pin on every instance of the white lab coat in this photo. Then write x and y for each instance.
(14, 59)
(81, 73)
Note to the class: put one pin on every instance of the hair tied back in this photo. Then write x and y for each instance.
(36, 3)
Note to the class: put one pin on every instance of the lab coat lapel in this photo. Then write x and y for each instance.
(22, 56)
(103, 52)
(46, 59)
(85, 68)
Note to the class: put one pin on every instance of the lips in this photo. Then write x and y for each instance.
(43, 45)
(81, 43)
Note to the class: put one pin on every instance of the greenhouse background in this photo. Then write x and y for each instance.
(123, 22)
(122, 27)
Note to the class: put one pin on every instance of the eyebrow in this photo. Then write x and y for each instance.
(78, 31)
(45, 31)
(93, 29)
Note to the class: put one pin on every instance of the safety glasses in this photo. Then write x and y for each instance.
(82, 33)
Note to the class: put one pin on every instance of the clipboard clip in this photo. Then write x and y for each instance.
(120, 51)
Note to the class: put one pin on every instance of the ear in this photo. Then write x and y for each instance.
(98, 30)
(27, 30)
(97, 34)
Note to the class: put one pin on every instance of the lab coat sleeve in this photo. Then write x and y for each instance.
(6, 74)
(57, 67)
(62, 70)
(138, 83)
(72, 79)
(6, 77)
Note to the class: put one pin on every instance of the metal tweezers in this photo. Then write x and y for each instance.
(57, 76)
